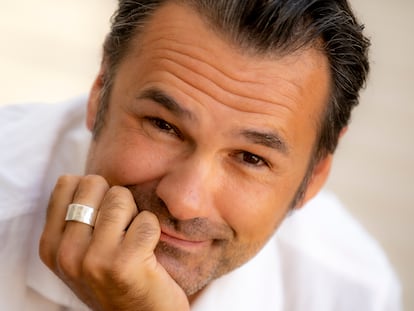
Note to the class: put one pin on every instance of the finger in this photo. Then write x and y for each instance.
(91, 191)
(142, 236)
(116, 213)
(76, 236)
(61, 196)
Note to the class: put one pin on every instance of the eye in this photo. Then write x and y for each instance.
(164, 126)
(251, 159)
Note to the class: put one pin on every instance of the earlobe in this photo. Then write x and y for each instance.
(318, 178)
(343, 132)
(94, 100)
(320, 174)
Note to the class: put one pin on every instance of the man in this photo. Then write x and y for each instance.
(211, 121)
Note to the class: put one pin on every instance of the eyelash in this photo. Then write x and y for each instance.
(161, 125)
(241, 156)
(259, 161)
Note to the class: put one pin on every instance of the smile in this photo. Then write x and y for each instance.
(184, 243)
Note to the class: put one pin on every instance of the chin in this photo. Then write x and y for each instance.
(188, 271)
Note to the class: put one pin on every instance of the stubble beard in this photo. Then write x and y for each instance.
(191, 271)
(225, 255)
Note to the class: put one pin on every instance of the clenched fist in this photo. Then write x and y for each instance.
(112, 265)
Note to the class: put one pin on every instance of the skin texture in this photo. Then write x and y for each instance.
(202, 152)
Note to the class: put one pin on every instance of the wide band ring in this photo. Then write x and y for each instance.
(81, 213)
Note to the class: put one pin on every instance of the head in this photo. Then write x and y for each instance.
(221, 116)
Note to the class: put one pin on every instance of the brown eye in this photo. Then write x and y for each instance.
(165, 126)
(252, 159)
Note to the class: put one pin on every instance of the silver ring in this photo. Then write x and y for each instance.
(81, 213)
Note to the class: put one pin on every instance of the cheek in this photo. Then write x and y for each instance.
(123, 162)
(254, 215)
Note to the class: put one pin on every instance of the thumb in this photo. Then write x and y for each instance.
(143, 234)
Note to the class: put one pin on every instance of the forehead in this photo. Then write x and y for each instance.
(176, 43)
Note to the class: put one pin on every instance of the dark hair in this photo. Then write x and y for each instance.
(267, 27)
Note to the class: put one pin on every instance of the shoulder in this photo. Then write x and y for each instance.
(29, 134)
(328, 254)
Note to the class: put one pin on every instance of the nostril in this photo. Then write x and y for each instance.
(186, 189)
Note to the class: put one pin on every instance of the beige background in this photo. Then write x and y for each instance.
(50, 51)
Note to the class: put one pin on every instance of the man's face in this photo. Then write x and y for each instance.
(212, 141)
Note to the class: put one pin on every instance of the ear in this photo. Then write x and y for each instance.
(319, 175)
(94, 100)
(318, 179)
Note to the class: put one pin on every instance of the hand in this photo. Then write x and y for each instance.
(111, 266)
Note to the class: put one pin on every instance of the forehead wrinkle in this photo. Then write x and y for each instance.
(227, 95)
(223, 97)
(199, 54)
(165, 100)
(240, 75)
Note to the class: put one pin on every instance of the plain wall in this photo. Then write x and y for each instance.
(50, 51)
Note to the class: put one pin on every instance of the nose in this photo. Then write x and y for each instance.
(188, 188)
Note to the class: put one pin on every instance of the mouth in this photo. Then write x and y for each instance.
(179, 241)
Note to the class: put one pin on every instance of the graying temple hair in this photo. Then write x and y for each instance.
(266, 27)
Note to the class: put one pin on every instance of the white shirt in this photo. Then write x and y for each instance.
(320, 259)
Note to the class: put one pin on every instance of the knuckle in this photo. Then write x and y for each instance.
(100, 270)
(118, 194)
(66, 262)
(121, 269)
(45, 252)
(109, 216)
(94, 268)
(63, 182)
(94, 180)
(90, 189)
(120, 275)
(147, 231)
(148, 221)
(116, 203)
(89, 182)
(66, 179)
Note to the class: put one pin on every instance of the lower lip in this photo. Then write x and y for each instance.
(183, 244)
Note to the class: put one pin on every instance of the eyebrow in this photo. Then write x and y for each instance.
(267, 139)
(160, 97)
